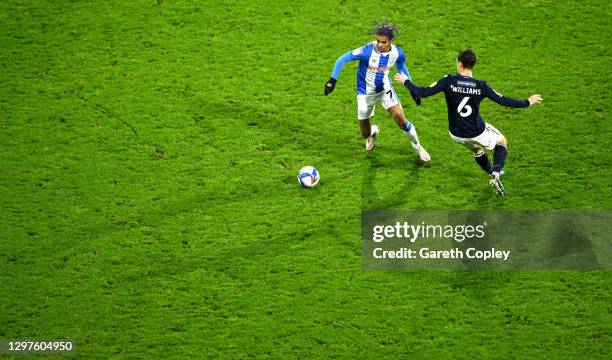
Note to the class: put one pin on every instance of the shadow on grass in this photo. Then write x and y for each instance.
(369, 196)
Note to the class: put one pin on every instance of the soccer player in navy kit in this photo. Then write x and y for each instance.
(374, 84)
(463, 95)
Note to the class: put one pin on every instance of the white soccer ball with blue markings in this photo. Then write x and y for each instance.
(308, 176)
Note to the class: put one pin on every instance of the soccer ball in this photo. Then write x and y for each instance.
(308, 176)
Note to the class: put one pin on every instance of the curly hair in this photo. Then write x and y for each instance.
(383, 28)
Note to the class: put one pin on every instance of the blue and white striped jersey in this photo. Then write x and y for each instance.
(374, 66)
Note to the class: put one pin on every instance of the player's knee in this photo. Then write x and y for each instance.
(502, 141)
(478, 151)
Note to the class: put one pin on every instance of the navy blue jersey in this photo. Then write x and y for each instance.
(463, 96)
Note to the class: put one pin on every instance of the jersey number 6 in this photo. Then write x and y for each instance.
(464, 109)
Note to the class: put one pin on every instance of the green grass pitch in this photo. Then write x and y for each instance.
(149, 207)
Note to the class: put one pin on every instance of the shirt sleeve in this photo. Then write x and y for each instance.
(424, 92)
(349, 56)
(503, 100)
(401, 64)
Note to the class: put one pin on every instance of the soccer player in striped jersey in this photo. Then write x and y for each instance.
(374, 84)
(463, 95)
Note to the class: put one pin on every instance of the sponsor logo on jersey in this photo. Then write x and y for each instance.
(466, 83)
(379, 68)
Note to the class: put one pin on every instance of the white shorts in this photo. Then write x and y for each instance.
(488, 139)
(367, 103)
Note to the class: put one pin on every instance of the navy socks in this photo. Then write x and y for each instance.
(483, 161)
(499, 157)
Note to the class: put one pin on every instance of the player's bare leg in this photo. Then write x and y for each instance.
(397, 112)
(368, 132)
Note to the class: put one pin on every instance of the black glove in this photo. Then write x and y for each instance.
(416, 98)
(329, 86)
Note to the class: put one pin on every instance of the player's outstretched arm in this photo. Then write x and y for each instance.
(535, 99)
(419, 91)
(401, 68)
(509, 102)
(330, 85)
